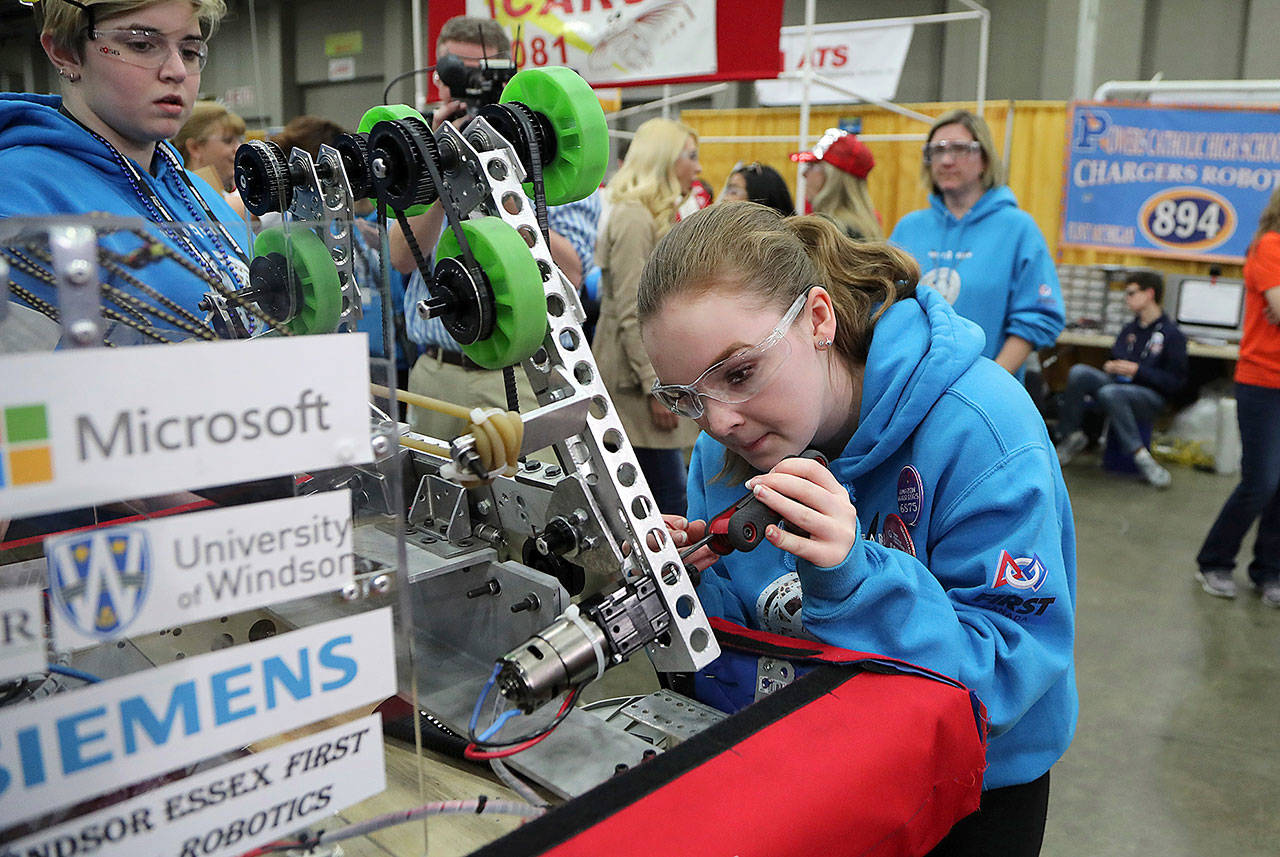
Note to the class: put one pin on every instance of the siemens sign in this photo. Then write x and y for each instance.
(104, 425)
(75, 746)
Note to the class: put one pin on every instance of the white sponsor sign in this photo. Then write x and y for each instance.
(342, 68)
(22, 648)
(104, 424)
(77, 745)
(233, 808)
(131, 579)
(864, 57)
(610, 43)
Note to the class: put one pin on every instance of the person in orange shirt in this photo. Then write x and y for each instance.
(1258, 407)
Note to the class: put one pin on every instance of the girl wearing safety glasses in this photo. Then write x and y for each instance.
(977, 248)
(128, 74)
(940, 533)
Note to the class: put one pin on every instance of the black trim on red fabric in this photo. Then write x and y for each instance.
(614, 795)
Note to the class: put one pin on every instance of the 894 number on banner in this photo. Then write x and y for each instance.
(1187, 219)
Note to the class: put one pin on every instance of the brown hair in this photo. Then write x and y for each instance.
(1269, 220)
(779, 258)
(67, 22)
(307, 133)
(993, 167)
(471, 31)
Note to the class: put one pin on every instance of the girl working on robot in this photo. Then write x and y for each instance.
(941, 532)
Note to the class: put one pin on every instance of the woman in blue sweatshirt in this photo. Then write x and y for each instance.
(941, 532)
(977, 248)
(129, 76)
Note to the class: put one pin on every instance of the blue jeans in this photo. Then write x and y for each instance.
(1257, 495)
(1124, 402)
(666, 474)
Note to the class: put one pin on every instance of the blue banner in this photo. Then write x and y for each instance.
(1188, 182)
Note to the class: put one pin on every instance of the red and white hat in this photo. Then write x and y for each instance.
(842, 150)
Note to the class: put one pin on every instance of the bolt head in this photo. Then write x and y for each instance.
(79, 271)
(83, 332)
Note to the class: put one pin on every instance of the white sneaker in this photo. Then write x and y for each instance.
(1217, 582)
(1071, 446)
(1150, 469)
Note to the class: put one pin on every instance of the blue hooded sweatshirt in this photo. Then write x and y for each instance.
(992, 265)
(49, 164)
(950, 460)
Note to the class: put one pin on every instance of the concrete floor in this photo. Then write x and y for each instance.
(1176, 752)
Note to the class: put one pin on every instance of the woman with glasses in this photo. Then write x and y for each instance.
(940, 532)
(129, 73)
(658, 172)
(760, 183)
(977, 248)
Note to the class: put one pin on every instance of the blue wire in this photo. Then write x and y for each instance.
(72, 672)
(498, 724)
(484, 693)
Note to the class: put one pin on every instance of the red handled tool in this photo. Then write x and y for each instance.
(741, 526)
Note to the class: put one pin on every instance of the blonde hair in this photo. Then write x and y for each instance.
(66, 23)
(207, 118)
(992, 166)
(751, 248)
(845, 199)
(648, 174)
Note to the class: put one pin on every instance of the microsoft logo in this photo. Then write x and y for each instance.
(25, 455)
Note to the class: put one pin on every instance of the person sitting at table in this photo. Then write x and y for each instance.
(1148, 365)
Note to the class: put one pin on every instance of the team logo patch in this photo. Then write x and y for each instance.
(1021, 573)
(910, 495)
(99, 579)
(897, 536)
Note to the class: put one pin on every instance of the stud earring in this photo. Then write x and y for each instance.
(68, 76)
(823, 344)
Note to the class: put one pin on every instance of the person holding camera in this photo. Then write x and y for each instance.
(442, 370)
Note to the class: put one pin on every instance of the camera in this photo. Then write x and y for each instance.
(475, 85)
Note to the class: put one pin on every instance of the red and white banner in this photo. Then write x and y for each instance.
(860, 56)
(633, 42)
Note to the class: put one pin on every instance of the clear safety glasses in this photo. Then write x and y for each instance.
(738, 377)
(149, 49)
(956, 148)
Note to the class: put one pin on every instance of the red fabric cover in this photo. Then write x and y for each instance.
(880, 765)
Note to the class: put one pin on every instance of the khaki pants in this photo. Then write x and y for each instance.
(470, 388)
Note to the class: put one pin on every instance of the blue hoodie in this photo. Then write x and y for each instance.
(949, 451)
(992, 265)
(49, 164)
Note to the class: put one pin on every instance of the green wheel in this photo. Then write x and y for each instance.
(376, 114)
(320, 301)
(520, 307)
(577, 119)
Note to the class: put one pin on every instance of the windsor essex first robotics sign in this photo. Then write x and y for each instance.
(1187, 182)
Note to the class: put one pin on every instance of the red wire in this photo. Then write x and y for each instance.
(477, 755)
(186, 507)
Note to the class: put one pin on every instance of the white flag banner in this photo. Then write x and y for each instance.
(861, 56)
